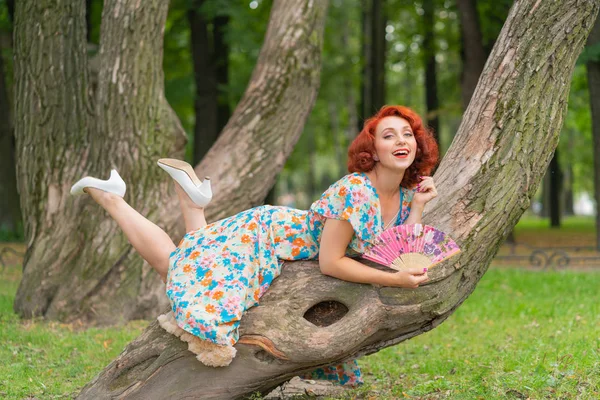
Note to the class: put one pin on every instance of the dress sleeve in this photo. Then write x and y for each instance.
(352, 199)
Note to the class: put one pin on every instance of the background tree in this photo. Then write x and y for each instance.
(78, 264)
(210, 54)
(508, 134)
(374, 51)
(429, 52)
(593, 75)
(10, 213)
(473, 52)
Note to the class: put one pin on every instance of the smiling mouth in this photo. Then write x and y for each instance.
(401, 154)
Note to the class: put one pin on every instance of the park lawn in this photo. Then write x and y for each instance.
(520, 334)
(574, 231)
(49, 360)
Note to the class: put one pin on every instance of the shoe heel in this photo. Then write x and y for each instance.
(182, 166)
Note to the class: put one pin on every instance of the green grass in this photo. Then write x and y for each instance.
(568, 224)
(520, 334)
(49, 360)
(573, 231)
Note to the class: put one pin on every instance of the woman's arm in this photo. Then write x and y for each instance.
(335, 238)
(416, 213)
(426, 192)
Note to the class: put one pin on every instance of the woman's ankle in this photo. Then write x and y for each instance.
(102, 197)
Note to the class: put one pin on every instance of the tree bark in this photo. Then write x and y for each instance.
(593, 73)
(431, 97)
(485, 183)
(472, 48)
(78, 264)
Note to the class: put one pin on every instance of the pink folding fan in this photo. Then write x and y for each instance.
(414, 245)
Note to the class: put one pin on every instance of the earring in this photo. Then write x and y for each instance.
(375, 158)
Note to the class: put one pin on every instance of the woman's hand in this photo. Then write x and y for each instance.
(425, 191)
(408, 278)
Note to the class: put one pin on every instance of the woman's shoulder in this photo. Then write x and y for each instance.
(354, 179)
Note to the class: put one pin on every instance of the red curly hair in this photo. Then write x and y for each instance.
(362, 148)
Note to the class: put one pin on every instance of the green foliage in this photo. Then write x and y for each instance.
(178, 65)
(575, 146)
(5, 23)
(492, 15)
(589, 53)
(10, 235)
(319, 157)
(244, 36)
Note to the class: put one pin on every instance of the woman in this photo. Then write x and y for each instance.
(219, 271)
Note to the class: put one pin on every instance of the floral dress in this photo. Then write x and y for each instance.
(218, 272)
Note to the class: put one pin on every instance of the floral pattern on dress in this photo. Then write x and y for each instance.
(218, 272)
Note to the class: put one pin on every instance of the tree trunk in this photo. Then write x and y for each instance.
(378, 54)
(366, 106)
(10, 211)
(472, 48)
(593, 73)
(373, 52)
(206, 128)
(568, 195)
(221, 56)
(485, 183)
(556, 178)
(78, 264)
(431, 96)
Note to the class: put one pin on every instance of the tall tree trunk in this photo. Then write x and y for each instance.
(485, 183)
(431, 96)
(378, 54)
(78, 264)
(88, 20)
(545, 209)
(373, 52)
(568, 195)
(10, 212)
(339, 144)
(366, 105)
(593, 74)
(10, 4)
(472, 48)
(206, 129)
(556, 178)
(221, 57)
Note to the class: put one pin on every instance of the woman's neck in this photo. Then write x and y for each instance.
(386, 182)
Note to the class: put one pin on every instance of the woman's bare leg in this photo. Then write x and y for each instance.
(153, 244)
(192, 214)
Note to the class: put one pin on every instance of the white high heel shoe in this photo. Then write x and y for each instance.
(184, 175)
(115, 184)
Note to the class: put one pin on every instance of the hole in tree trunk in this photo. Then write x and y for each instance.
(325, 313)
